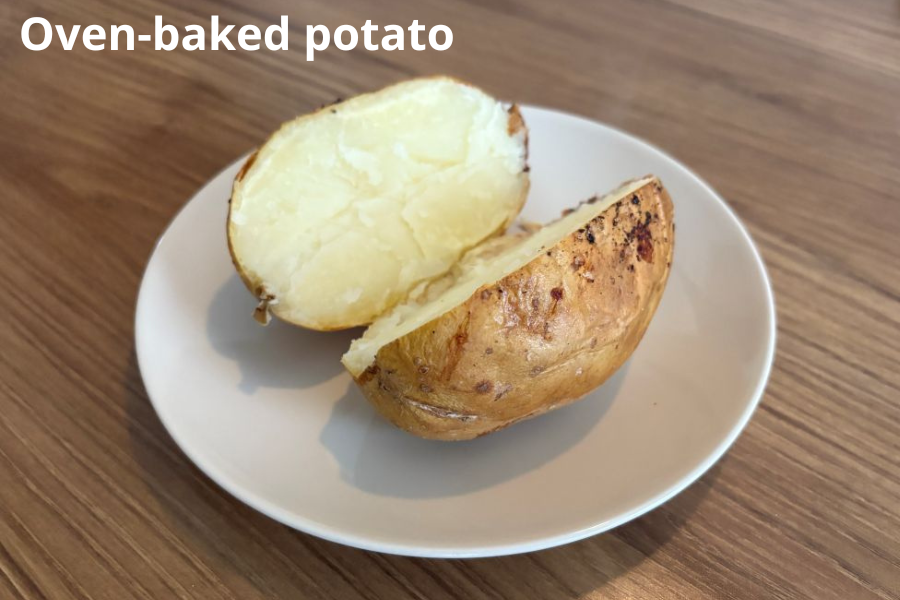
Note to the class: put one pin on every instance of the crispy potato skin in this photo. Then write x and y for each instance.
(538, 339)
(256, 286)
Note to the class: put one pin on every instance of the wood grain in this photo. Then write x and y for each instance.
(790, 109)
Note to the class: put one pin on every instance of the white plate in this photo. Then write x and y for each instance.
(270, 415)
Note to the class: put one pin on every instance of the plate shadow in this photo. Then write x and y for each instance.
(278, 355)
(431, 469)
(260, 556)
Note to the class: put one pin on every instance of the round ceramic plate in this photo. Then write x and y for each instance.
(271, 416)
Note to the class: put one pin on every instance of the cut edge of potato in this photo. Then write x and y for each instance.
(295, 263)
(483, 265)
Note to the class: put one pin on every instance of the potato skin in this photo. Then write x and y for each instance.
(267, 303)
(538, 339)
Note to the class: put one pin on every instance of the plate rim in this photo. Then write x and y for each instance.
(539, 542)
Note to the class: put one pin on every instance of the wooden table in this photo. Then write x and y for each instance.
(790, 109)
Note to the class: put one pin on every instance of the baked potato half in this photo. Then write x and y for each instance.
(522, 325)
(341, 213)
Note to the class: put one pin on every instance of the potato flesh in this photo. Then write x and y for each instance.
(480, 267)
(344, 212)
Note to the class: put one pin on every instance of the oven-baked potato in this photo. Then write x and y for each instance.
(341, 213)
(522, 325)
(387, 209)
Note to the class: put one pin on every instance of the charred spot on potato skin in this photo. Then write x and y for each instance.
(484, 387)
(527, 169)
(631, 267)
(384, 386)
(557, 293)
(455, 351)
(635, 200)
(644, 242)
(367, 375)
(590, 237)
